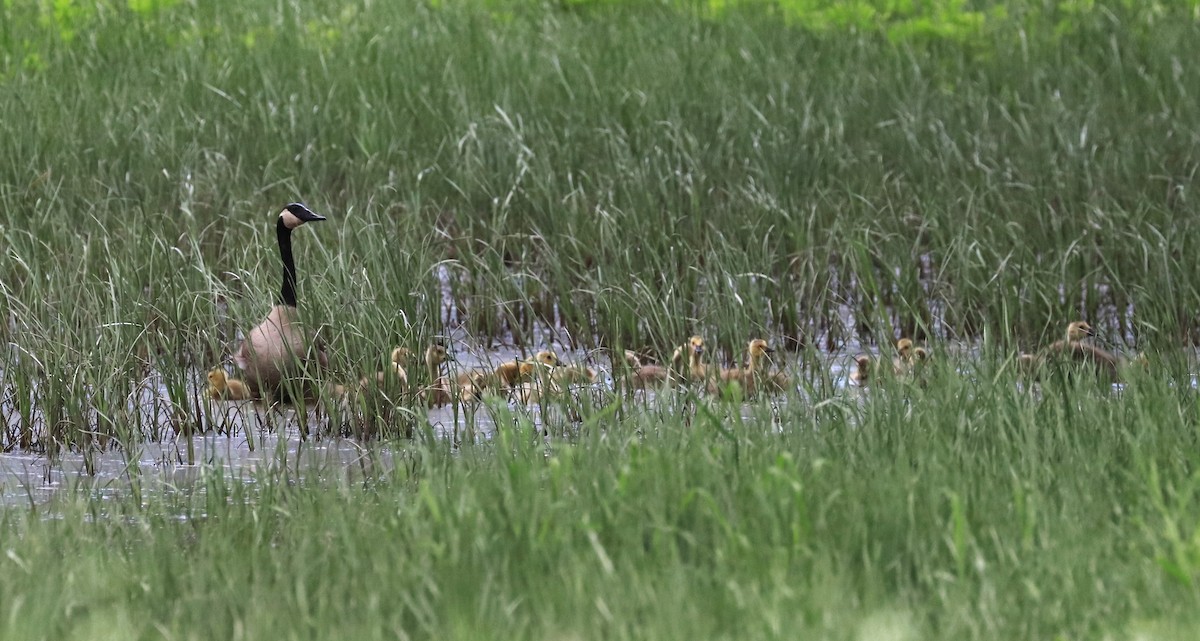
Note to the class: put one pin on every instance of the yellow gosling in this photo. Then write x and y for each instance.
(639, 375)
(396, 374)
(686, 360)
(472, 388)
(693, 353)
(223, 388)
(438, 393)
(1028, 366)
(754, 377)
(1074, 349)
(861, 375)
(902, 363)
(537, 379)
(577, 374)
(508, 375)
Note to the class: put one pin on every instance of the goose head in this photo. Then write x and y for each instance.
(547, 358)
(296, 214)
(904, 348)
(696, 344)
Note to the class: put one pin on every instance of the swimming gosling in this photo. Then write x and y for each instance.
(223, 388)
(642, 375)
(1074, 349)
(754, 377)
(693, 353)
(861, 375)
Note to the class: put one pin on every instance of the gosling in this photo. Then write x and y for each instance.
(693, 353)
(1073, 349)
(643, 375)
(861, 376)
(754, 377)
(223, 388)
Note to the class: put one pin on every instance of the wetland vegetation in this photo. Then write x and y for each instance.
(587, 176)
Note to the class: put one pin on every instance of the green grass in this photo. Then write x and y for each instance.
(964, 510)
(644, 172)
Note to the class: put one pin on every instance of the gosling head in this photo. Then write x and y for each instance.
(697, 344)
(904, 347)
(436, 354)
(759, 348)
(401, 356)
(297, 214)
(216, 378)
(920, 354)
(863, 363)
(1079, 330)
(547, 358)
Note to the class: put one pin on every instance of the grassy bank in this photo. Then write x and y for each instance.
(965, 510)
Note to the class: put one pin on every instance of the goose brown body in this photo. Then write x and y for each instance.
(278, 355)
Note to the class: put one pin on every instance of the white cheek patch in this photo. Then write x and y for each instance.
(290, 220)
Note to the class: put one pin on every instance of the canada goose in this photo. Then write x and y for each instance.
(577, 374)
(861, 375)
(509, 374)
(1073, 349)
(438, 392)
(277, 353)
(903, 361)
(472, 388)
(754, 377)
(1029, 366)
(642, 375)
(396, 373)
(539, 378)
(223, 388)
(693, 353)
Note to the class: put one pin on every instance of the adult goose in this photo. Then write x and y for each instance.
(277, 358)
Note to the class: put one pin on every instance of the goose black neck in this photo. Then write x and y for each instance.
(287, 293)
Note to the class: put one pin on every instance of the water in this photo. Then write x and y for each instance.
(252, 439)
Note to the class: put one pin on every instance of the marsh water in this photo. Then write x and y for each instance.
(253, 440)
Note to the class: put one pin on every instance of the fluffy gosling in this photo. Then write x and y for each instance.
(223, 388)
